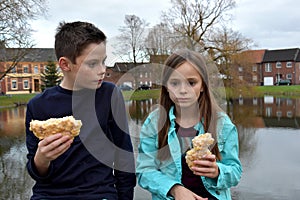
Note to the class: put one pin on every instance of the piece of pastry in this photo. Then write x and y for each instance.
(64, 125)
(200, 148)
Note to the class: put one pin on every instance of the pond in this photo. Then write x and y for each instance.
(269, 134)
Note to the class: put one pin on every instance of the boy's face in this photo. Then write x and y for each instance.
(89, 70)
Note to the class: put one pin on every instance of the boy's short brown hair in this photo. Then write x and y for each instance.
(72, 38)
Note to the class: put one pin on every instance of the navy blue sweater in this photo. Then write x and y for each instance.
(100, 162)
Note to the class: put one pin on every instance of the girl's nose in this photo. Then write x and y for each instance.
(183, 88)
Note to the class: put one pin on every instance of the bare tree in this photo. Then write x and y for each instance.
(158, 40)
(193, 20)
(15, 30)
(132, 36)
(225, 47)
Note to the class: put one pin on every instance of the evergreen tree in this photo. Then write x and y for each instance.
(51, 76)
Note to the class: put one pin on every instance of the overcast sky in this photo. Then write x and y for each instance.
(270, 24)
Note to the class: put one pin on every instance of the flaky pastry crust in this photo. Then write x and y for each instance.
(65, 125)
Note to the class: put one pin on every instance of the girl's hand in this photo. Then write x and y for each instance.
(181, 193)
(49, 149)
(207, 167)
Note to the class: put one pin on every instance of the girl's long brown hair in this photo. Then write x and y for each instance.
(207, 105)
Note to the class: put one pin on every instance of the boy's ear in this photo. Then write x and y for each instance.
(64, 64)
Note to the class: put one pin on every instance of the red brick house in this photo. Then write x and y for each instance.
(26, 75)
(249, 66)
(281, 64)
(135, 75)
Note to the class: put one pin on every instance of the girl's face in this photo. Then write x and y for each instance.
(185, 85)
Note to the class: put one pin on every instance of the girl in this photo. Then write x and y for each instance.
(187, 108)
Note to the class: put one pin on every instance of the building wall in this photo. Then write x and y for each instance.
(282, 72)
(25, 78)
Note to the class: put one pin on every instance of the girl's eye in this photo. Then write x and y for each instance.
(174, 83)
(192, 83)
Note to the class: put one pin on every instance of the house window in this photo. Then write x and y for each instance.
(268, 67)
(13, 70)
(14, 85)
(289, 102)
(240, 69)
(25, 69)
(36, 69)
(278, 65)
(254, 68)
(241, 78)
(289, 65)
(25, 84)
(268, 111)
(279, 114)
(289, 76)
(254, 78)
(289, 114)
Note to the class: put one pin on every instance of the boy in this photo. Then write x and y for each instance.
(99, 163)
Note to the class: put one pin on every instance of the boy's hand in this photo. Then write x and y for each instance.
(49, 149)
(207, 166)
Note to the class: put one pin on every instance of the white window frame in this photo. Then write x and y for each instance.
(27, 69)
(13, 70)
(278, 64)
(268, 67)
(25, 82)
(36, 69)
(14, 83)
(289, 114)
(289, 64)
(254, 78)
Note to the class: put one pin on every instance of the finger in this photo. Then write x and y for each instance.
(203, 163)
(50, 139)
(57, 142)
(60, 148)
(211, 158)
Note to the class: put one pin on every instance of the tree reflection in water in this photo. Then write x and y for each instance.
(15, 183)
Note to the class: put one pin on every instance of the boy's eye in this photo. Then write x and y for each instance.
(92, 64)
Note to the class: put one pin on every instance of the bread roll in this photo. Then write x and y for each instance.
(64, 125)
(200, 148)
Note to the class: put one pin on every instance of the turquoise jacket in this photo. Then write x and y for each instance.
(159, 176)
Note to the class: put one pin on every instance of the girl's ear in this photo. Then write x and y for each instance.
(64, 64)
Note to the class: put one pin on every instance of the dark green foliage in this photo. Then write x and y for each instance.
(51, 76)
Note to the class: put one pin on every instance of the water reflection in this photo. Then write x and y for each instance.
(268, 135)
(15, 183)
(266, 112)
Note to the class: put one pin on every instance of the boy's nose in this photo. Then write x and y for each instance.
(101, 70)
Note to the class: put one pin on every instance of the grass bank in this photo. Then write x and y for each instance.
(259, 91)
(15, 99)
(141, 94)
